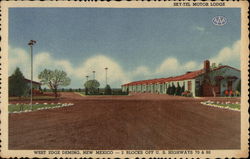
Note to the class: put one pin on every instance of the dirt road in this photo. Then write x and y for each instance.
(126, 122)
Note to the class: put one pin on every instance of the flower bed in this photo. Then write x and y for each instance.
(22, 107)
(231, 93)
(224, 105)
(187, 94)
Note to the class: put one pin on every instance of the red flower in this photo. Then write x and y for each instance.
(226, 92)
(231, 92)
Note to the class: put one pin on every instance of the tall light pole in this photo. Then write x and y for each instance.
(86, 89)
(106, 69)
(31, 43)
(93, 75)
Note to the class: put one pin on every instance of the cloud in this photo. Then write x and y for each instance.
(140, 72)
(20, 58)
(229, 55)
(170, 66)
(97, 63)
(116, 74)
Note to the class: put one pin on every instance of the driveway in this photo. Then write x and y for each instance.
(141, 121)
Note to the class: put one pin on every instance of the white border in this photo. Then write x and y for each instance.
(138, 4)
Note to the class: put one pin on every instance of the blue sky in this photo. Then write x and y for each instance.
(135, 43)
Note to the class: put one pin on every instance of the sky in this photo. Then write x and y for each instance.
(134, 43)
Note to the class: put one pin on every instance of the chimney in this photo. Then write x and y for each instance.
(206, 66)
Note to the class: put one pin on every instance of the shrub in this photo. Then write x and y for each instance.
(44, 89)
(187, 94)
(92, 86)
(172, 90)
(237, 93)
(178, 90)
(86, 91)
(107, 90)
(182, 88)
(168, 90)
(36, 92)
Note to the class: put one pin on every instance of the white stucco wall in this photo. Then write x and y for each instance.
(225, 72)
(162, 88)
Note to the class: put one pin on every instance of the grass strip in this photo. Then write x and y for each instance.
(24, 107)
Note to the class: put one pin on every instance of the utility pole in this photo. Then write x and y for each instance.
(31, 43)
(106, 69)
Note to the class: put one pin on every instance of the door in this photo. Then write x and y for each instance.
(229, 85)
(217, 87)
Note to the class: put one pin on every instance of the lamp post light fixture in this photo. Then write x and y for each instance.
(31, 43)
(87, 77)
(93, 75)
(106, 69)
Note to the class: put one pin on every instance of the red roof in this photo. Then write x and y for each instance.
(188, 75)
(27, 80)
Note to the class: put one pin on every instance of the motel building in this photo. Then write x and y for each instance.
(197, 82)
(35, 85)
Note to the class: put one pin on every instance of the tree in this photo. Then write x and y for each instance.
(44, 89)
(173, 88)
(17, 84)
(107, 90)
(178, 90)
(86, 91)
(54, 79)
(183, 88)
(211, 78)
(92, 86)
(168, 89)
(40, 88)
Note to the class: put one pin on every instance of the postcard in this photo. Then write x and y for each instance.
(124, 79)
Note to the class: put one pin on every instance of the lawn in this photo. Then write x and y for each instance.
(25, 107)
(235, 106)
(80, 93)
(34, 97)
(101, 94)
